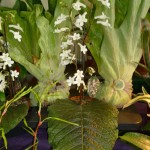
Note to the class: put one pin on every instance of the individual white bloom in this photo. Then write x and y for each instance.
(2, 82)
(64, 45)
(66, 57)
(78, 81)
(65, 54)
(16, 35)
(60, 19)
(83, 48)
(77, 5)
(79, 78)
(14, 74)
(80, 21)
(70, 81)
(8, 62)
(60, 30)
(79, 74)
(104, 23)
(16, 27)
(102, 16)
(69, 42)
(105, 3)
(4, 56)
(75, 36)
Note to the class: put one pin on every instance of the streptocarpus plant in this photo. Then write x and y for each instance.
(117, 50)
(98, 120)
(33, 44)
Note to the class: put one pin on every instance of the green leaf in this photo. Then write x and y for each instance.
(2, 96)
(13, 117)
(139, 140)
(116, 49)
(97, 125)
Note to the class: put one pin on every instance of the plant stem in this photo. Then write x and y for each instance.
(36, 131)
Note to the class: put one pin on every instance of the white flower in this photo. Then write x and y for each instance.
(8, 62)
(2, 82)
(65, 54)
(105, 3)
(83, 48)
(78, 81)
(14, 73)
(16, 27)
(5, 56)
(79, 74)
(69, 42)
(80, 21)
(60, 19)
(104, 23)
(75, 36)
(102, 16)
(70, 81)
(64, 45)
(66, 57)
(60, 30)
(77, 5)
(16, 35)
(78, 78)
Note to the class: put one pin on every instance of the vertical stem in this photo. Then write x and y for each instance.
(37, 128)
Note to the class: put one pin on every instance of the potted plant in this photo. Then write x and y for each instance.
(112, 38)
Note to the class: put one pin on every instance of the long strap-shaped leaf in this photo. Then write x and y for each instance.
(117, 50)
(139, 140)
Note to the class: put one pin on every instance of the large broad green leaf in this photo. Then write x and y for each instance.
(39, 50)
(13, 117)
(25, 52)
(97, 130)
(117, 50)
(139, 140)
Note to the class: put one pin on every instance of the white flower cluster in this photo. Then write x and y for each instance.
(16, 34)
(103, 19)
(67, 55)
(73, 40)
(105, 3)
(77, 79)
(5, 60)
